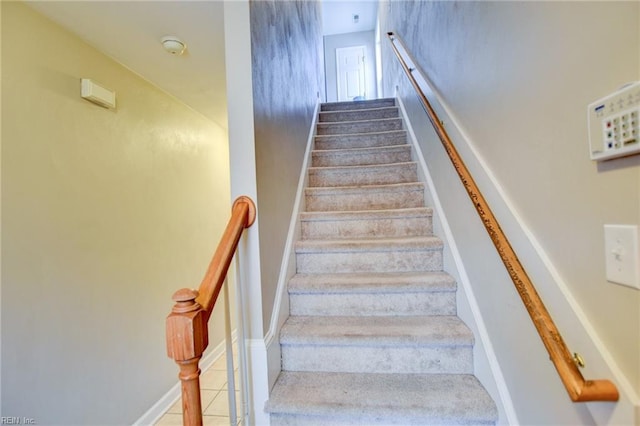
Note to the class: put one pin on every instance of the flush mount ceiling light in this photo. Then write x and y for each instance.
(173, 45)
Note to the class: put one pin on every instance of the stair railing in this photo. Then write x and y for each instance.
(187, 324)
(579, 389)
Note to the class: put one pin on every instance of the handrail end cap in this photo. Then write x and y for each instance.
(251, 218)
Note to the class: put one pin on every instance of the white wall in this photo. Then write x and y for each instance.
(242, 158)
(517, 77)
(105, 215)
(333, 42)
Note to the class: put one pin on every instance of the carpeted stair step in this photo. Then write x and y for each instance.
(339, 399)
(376, 174)
(377, 344)
(370, 197)
(365, 126)
(373, 337)
(367, 223)
(361, 140)
(361, 156)
(408, 254)
(345, 106)
(358, 114)
(409, 293)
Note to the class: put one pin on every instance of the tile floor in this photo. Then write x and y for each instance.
(215, 405)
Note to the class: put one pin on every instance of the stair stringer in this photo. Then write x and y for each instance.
(486, 366)
(483, 367)
(280, 311)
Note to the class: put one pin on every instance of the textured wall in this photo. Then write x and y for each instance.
(332, 42)
(105, 214)
(286, 47)
(518, 77)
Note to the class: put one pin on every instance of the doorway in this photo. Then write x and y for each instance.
(350, 69)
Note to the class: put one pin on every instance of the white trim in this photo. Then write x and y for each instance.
(501, 384)
(159, 409)
(258, 382)
(242, 349)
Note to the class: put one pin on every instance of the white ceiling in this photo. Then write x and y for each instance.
(130, 32)
(337, 16)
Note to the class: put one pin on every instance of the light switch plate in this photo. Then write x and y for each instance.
(621, 254)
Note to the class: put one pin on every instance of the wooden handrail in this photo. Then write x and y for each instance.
(579, 389)
(187, 324)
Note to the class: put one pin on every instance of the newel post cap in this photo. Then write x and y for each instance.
(187, 332)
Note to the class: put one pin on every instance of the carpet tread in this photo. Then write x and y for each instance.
(369, 244)
(371, 283)
(372, 336)
(427, 398)
(398, 331)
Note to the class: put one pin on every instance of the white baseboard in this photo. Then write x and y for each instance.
(258, 382)
(158, 409)
(287, 268)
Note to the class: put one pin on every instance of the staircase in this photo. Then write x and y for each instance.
(373, 336)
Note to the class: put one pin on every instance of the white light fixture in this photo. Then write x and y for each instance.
(97, 94)
(173, 45)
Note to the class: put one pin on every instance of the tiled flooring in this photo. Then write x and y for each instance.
(215, 404)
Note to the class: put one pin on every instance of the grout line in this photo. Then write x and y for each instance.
(217, 392)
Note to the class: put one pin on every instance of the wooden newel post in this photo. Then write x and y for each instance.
(187, 338)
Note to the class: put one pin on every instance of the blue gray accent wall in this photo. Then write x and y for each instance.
(288, 77)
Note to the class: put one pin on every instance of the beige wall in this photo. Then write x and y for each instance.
(105, 214)
(518, 76)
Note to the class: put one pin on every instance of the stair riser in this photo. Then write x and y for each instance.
(360, 140)
(392, 227)
(365, 175)
(366, 261)
(379, 304)
(364, 200)
(365, 114)
(378, 359)
(352, 127)
(358, 158)
(303, 420)
(348, 106)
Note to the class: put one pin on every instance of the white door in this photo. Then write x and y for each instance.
(350, 69)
